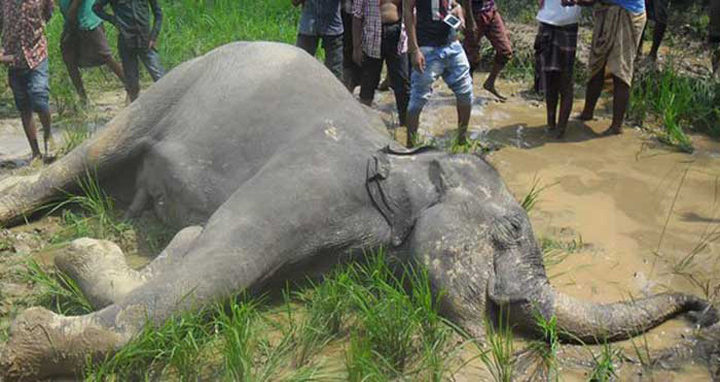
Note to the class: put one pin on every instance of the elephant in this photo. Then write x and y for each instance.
(269, 167)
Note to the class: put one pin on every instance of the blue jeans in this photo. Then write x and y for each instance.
(30, 88)
(448, 61)
(129, 56)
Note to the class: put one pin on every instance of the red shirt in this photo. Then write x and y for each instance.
(22, 23)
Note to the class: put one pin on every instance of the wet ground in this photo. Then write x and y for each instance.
(639, 216)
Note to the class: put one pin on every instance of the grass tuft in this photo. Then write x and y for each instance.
(58, 292)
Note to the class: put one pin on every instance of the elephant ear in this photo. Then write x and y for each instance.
(389, 197)
(442, 177)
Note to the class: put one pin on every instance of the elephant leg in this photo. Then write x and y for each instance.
(251, 236)
(100, 269)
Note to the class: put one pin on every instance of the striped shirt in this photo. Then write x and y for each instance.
(369, 12)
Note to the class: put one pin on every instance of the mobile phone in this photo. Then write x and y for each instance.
(452, 20)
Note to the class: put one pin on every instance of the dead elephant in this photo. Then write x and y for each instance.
(261, 146)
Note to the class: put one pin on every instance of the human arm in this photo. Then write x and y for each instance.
(72, 22)
(418, 60)
(468, 13)
(99, 9)
(47, 9)
(457, 11)
(157, 25)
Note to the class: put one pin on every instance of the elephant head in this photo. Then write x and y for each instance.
(478, 245)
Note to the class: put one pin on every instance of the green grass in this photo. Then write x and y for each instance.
(57, 291)
(500, 358)
(89, 213)
(530, 199)
(604, 368)
(388, 320)
(547, 349)
(678, 102)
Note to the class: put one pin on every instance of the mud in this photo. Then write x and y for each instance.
(640, 217)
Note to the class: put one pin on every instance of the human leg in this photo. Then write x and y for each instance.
(566, 101)
(421, 90)
(18, 78)
(456, 75)
(552, 95)
(151, 60)
(370, 69)
(69, 51)
(131, 69)
(397, 64)
(496, 32)
(592, 94)
(333, 47)
(351, 71)
(471, 44)
(621, 98)
(38, 90)
(307, 43)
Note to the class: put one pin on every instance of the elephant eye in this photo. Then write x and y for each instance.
(507, 231)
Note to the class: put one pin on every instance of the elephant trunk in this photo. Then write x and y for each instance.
(596, 323)
(520, 282)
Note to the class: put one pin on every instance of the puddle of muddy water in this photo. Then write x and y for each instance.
(645, 213)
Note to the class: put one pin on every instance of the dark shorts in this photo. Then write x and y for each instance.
(556, 48)
(657, 10)
(30, 87)
(86, 49)
(489, 24)
(714, 25)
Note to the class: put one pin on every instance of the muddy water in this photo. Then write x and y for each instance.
(636, 209)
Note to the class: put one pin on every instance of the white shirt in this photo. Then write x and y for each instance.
(554, 13)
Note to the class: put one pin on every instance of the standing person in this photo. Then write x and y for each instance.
(616, 36)
(378, 35)
(434, 52)
(657, 11)
(25, 51)
(556, 44)
(714, 35)
(321, 19)
(351, 70)
(84, 44)
(136, 40)
(483, 19)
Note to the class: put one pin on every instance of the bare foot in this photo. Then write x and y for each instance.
(612, 130)
(491, 88)
(585, 116)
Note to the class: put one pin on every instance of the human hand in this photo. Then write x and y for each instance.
(6, 59)
(152, 43)
(418, 61)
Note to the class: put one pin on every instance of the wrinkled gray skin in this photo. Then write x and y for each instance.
(264, 148)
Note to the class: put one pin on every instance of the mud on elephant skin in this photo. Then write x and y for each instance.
(261, 146)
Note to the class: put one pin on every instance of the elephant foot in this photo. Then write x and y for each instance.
(100, 270)
(44, 344)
